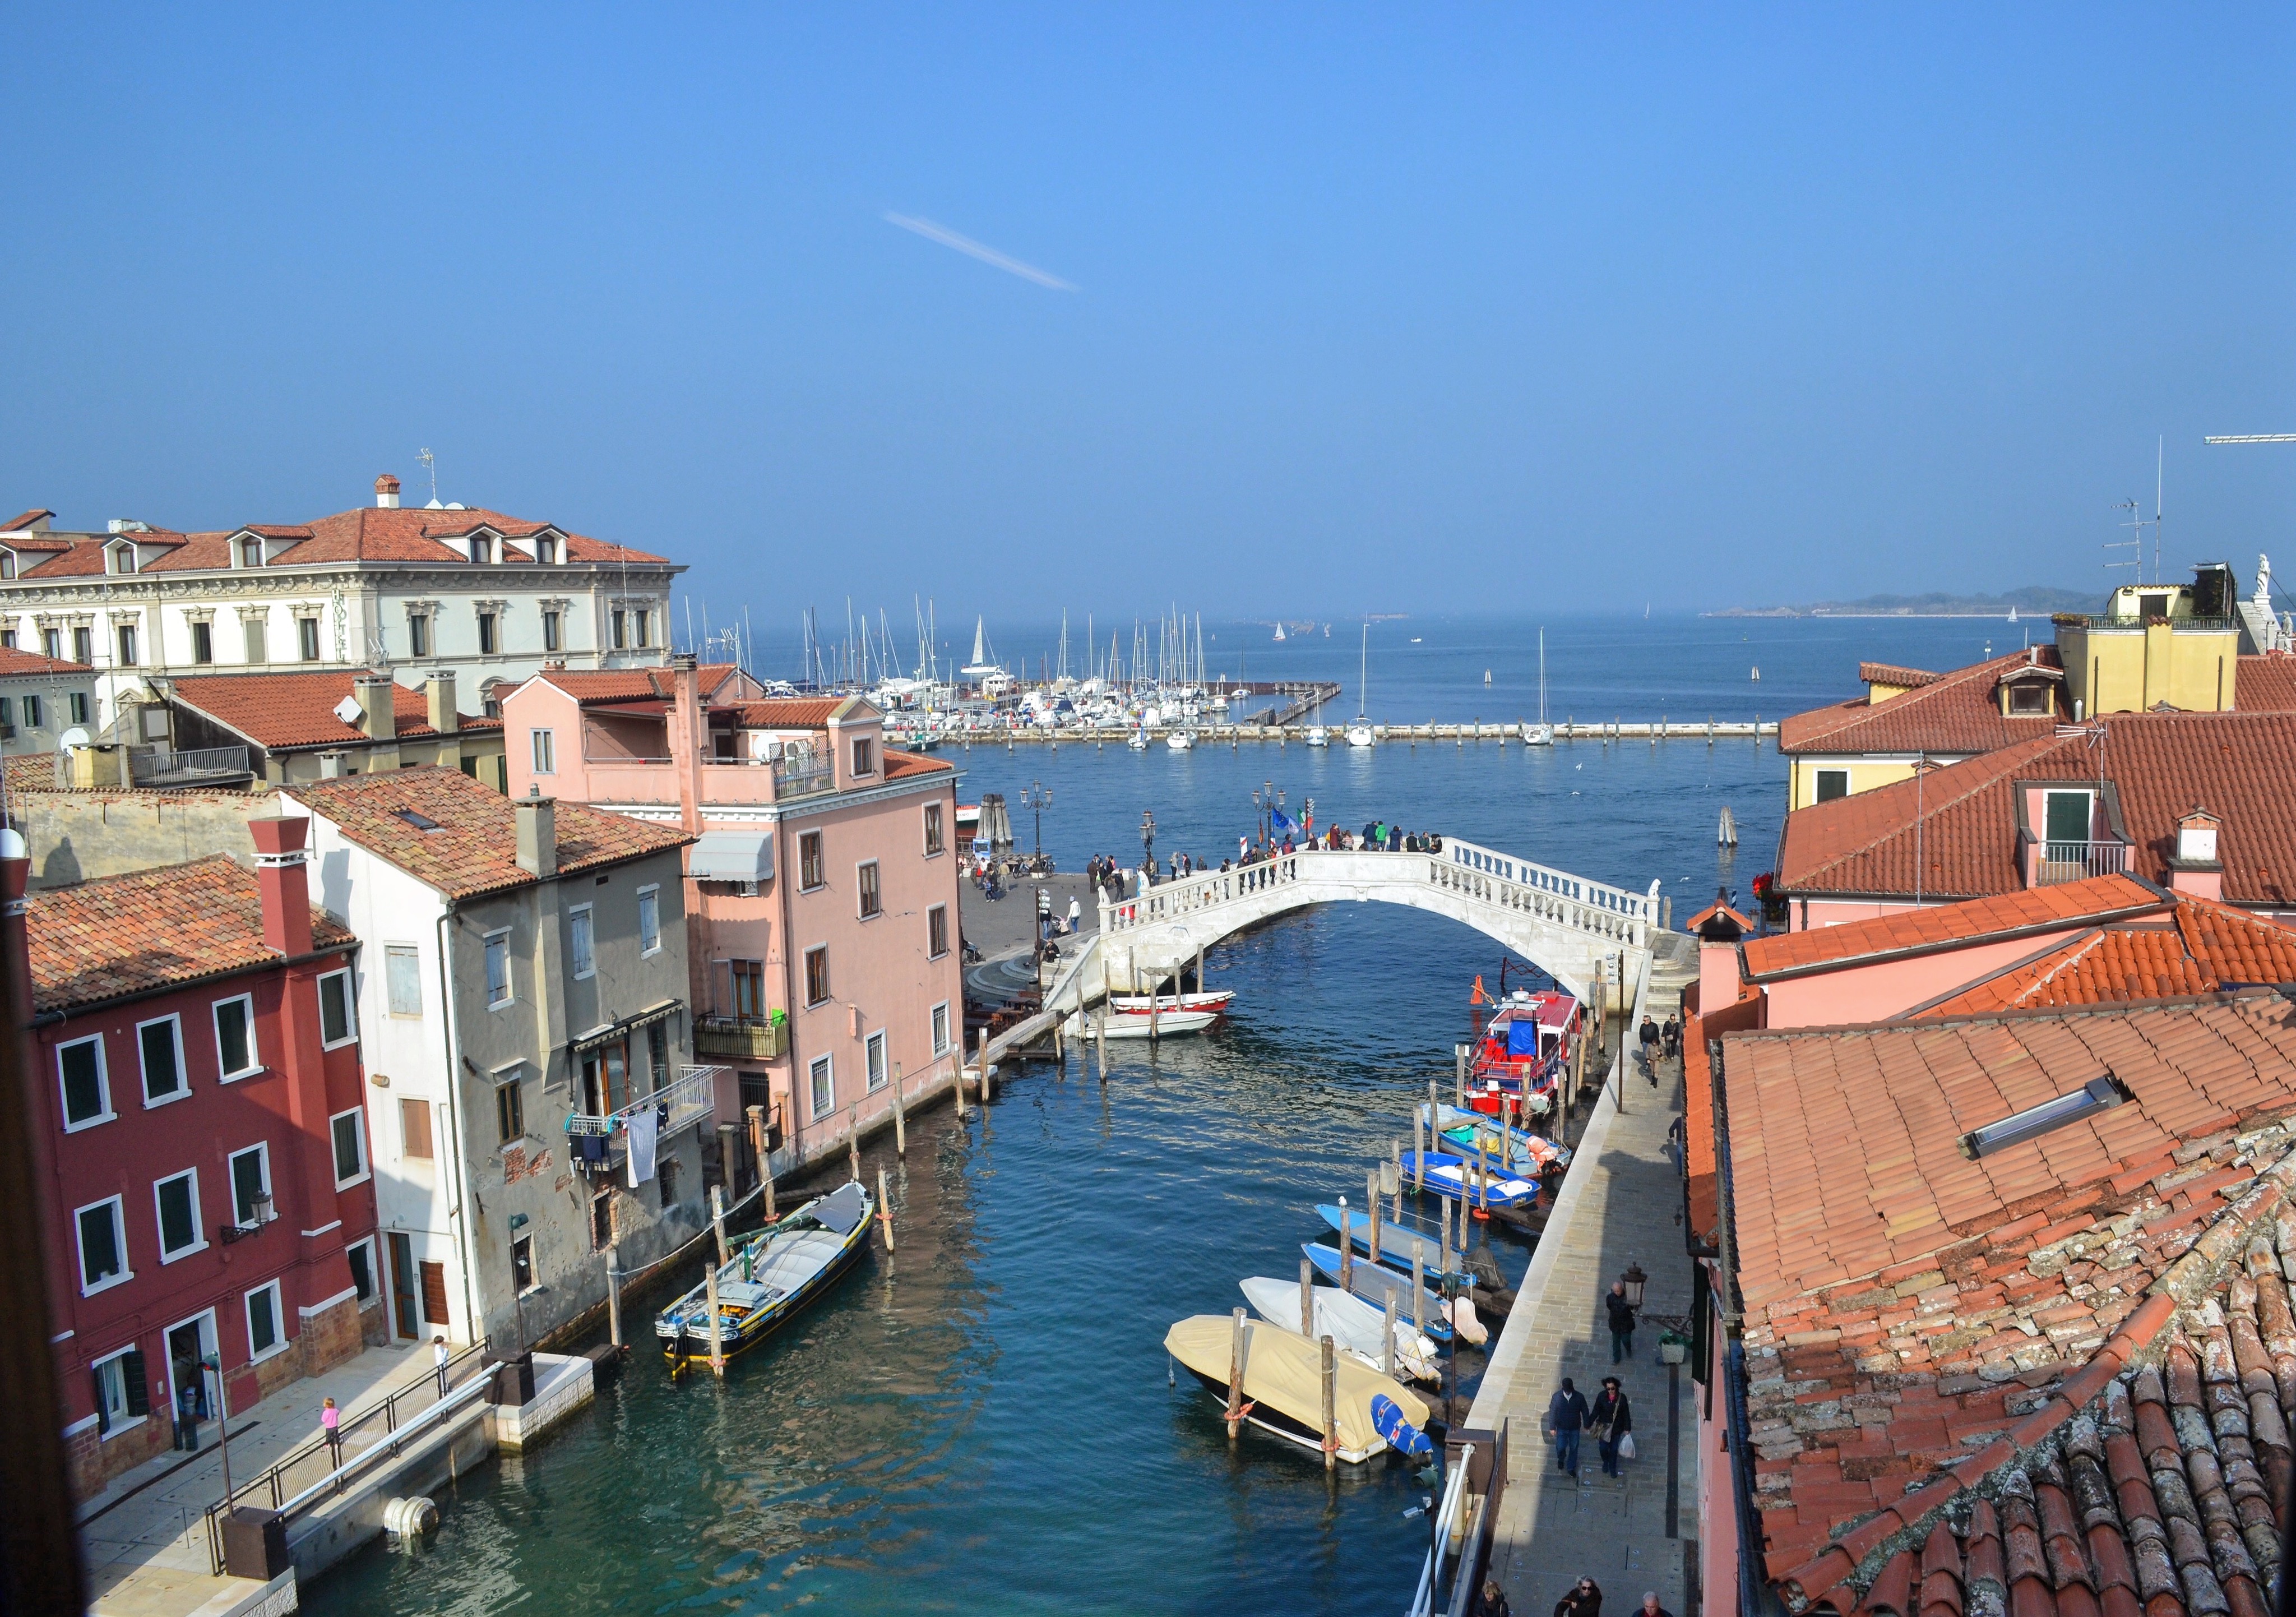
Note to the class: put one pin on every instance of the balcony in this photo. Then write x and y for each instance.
(688, 1099)
(804, 775)
(741, 1037)
(153, 770)
(2062, 862)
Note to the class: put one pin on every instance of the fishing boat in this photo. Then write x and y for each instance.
(1283, 1388)
(1179, 741)
(1456, 1176)
(1353, 1325)
(1398, 1246)
(773, 1275)
(1318, 737)
(1523, 1046)
(1217, 1000)
(1514, 1147)
(1371, 1282)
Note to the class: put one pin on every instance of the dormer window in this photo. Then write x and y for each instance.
(7, 563)
(123, 558)
(2031, 699)
(251, 553)
(482, 548)
(546, 550)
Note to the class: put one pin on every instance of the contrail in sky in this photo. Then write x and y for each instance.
(974, 249)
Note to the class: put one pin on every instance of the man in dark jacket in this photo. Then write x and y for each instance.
(1650, 1038)
(1583, 1600)
(1622, 1323)
(1566, 1413)
(1610, 1420)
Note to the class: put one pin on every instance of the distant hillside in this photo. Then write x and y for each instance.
(2033, 600)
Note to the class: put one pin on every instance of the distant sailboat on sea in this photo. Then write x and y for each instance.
(1542, 733)
(1359, 733)
(1279, 631)
(2013, 614)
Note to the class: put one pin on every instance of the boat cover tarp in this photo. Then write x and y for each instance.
(1283, 1370)
(1349, 1321)
(842, 1209)
(1522, 1038)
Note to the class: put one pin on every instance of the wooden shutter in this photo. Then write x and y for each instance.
(139, 1391)
(415, 1128)
(434, 1292)
(102, 1415)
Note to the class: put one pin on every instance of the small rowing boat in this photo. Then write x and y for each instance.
(1351, 1322)
(1457, 1177)
(773, 1276)
(1283, 1388)
(1527, 1155)
(1371, 1282)
(1397, 1245)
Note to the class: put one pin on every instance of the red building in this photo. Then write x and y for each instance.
(194, 1064)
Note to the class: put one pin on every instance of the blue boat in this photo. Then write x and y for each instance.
(1371, 1282)
(1397, 1245)
(771, 1277)
(1458, 1177)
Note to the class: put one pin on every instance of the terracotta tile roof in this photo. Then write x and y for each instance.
(364, 533)
(2163, 764)
(789, 712)
(149, 930)
(2210, 946)
(29, 771)
(16, 664)
(1975, 921)
(24, 520)
(594, 685)
(902, 766)
(474, 848)
(2265, 685)
(1920, 1326)
(281, 712)
(1891, 673)
(1955, 712)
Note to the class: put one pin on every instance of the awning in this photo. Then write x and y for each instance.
(731, 855)
(612, 1031)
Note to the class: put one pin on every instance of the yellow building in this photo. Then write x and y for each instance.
(2155, 646)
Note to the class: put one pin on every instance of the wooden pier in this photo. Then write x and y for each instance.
(1510, 733)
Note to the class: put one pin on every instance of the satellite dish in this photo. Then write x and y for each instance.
(73, 737)
(11, 843)
(348, 709)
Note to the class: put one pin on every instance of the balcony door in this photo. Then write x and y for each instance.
(2066, 818)
(749, 985)
(606, 1079)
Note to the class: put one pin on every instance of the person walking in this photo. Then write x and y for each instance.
(1671, 1035)
(1076, 914)
(1651, 1607)
(187, 1405)
(439, 1357)
(1491, 1601)
(331, 1427)
(1610, 1420)
(1583, 1600)
(1649, 1049)
(1566, 1414)
(1623, 1322)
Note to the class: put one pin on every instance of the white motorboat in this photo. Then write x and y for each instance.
(1318, 737)
(1139, 741)
(1360, 736)
(1218, 1000)
(1169, 1023)
(1282, 1390)
(1353, 1325)
(1179, 741)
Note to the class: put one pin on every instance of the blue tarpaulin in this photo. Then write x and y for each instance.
(1522, 1039)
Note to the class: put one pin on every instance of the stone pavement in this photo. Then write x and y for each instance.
(142, 1537)
(1620, 1205)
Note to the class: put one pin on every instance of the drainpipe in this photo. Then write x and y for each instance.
(459, 1215)
(789, 996)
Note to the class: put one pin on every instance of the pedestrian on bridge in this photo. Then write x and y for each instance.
(1649, 1049)
(1566, 1413)
(1076, 914)
(1622, 1323)
(1586, 1600)
(1611, 1420)
(1672, 1033)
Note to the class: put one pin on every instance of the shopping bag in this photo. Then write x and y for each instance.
(1627, 1447)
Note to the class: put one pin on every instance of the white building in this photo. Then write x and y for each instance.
(490, 595)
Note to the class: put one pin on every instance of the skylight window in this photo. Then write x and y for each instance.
(2098, 1095)
(421, 822)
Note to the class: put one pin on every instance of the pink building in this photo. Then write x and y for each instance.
(821, 897)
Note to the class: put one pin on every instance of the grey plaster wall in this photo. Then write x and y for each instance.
(74, 836)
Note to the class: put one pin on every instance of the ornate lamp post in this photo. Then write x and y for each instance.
(1038, 797)
(1148, 843)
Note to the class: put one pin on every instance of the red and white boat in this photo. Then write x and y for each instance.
(1168, 1002)
(1522, 1048)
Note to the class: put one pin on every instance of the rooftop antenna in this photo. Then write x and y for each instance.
(430, 464)
(2135, 521)
(2159, 473)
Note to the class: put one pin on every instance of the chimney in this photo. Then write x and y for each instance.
(280, 877)
(386, 492)
(331, 765)
(377, 696)
(537, 835)
(2195, 867)
(438, 688)
(689, 735)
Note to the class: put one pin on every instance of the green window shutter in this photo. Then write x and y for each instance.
(139, 1391)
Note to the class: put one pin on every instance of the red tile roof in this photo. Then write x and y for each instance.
(24, 520)
(2265, 685)
(1891, 673)
(1955, 712)
(789, 712)
(365, 533)
(281, 712)
(152, 930)
(474, 849)
(902, 766)
(2163, 764)
(595, 686)
(16, 664)
(1949, 925)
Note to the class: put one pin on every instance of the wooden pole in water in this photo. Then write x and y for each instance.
(1506, 1133)
(885, 1210)
(900, 1116)
(771, 1216)
(1395, 1179)
(1371, 1200)
(1444, 1213)
(717, 1349)
(1235, 1373)
(1482, 1179)
(1307, 1298)
(1418, 1284)
(614, 1294)
(1459, 1062)
(1331, 1406)
(1347, 1249)
(1386, 1352)
(717, 1219)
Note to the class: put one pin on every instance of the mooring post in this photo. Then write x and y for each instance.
(900, 1116)
(1459, 1064)
(1331, 1406)
(717, 1219)
(1444, 1213)
(1307, 1298)
(1347, 1249)
(1390, 1175)
(1419, 1144)
(757, 1118)
(614, 1294)
(1370, 1199)
(716, 1347)
(1387, 1354)
(1482, 1175)
(885, 1210)
(766, 1173)
(1418, 1285)
(1235, 1373)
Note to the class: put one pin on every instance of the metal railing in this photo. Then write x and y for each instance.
(691, 1095)
(2062, 862)
(151, 766)
(804, 774)
(2195, 624)
(299, 1475)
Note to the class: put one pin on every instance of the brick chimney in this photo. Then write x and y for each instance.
(537, 835)
(386, 492)
(438, 690)
(377, 696)
(2194, 868)
(689, 735)
(281, 877)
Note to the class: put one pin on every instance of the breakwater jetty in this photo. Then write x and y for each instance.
(1401, 735)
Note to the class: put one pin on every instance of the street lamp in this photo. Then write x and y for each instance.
(1148, 842)
(1634, 1280)
(1258, 818)
(1037, 796)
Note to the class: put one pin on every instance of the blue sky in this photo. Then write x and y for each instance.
(1372, 309)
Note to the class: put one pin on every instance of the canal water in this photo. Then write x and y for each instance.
(982, 1422)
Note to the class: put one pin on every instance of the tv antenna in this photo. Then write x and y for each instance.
(430, 464)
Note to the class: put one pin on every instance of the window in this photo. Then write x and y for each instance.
(402, 976)
(552, 640)
(234, 1024)
(824, 1087)
(121, 1393)
(77, 702)
(361, 1254)
(33, 719)
(250, 1186)
(933, 842)
(1832, 783)
(544, 744)
(606, 1079)
(865, 756)
(7, 570)
(2066, 815)
(649, 920)
(621, 630)
(251, 553)
(338, 1018)
(350, 1129)
(665, 1176)
(510, 1113)
(87, 1091)
(128, 658)
(418, 634)
(259, 648)
(160, 1044)
(578, 947)
(639, 621)
(658, 1054)
(306, 638)
(482, 548)
(52, 644)
(7, 710)
(816, 974)
(498, 968)
(940, 1028)
(2029, 698)
(123, 558)
(103, 1246)
(202, 641)
(521, 1264)
(872, 906)
(177, 1199)
(812, 871)
(414, 1129)
(84, 644)
(874, 1050)
(937, 930)
(264, 1335)
(487, 646)
(602, 1220)
(749, 985)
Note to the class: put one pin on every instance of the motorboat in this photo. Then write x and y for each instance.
(1398, 1245)
(1164, 1023)
(1318, 737)
(1281, 1387)
(1539, 735)
(1512, 1145)
(1373, 1282)
(1139, 741)
(1459, 1177)
(1523, 1047)
(1217, 1000)
(771, 1277)
(1351, 1322)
